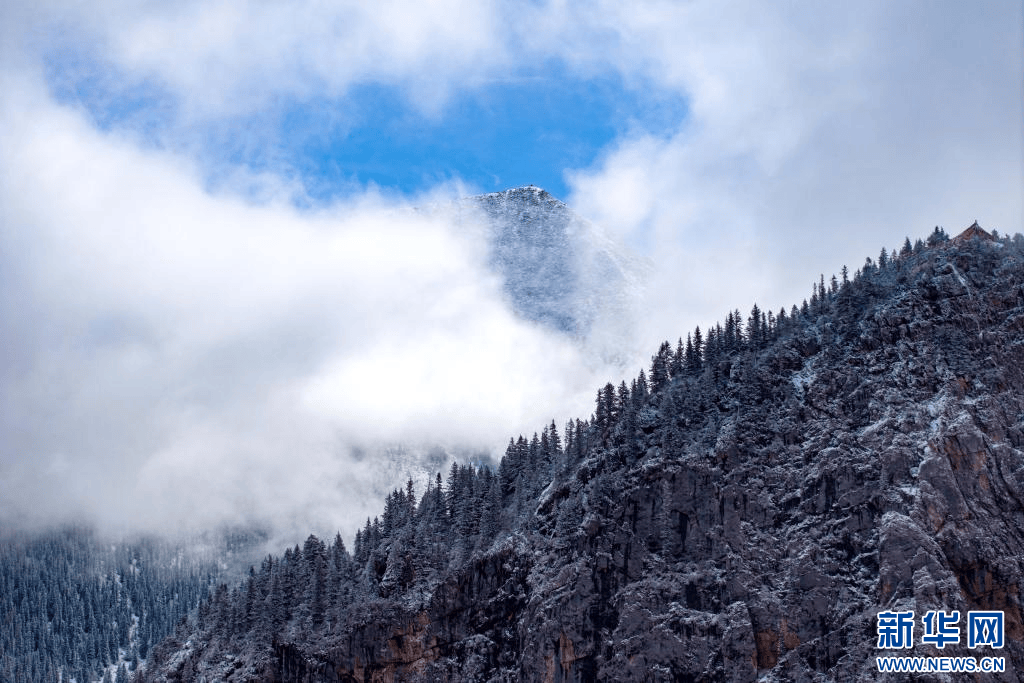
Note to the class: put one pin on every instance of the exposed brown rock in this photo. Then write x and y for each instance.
(974, 230)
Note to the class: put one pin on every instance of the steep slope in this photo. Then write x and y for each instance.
(872, 461)
(559, 269)
(744, 517)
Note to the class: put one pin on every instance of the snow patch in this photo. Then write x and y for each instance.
(910, 490)
(803, 378)
(936, 408)
(961, 278)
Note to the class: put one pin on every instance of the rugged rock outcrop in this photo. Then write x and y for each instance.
(750, 520)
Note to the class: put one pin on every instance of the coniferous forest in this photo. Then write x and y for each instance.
(77, 607)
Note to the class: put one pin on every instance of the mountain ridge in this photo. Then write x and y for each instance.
(742, 514)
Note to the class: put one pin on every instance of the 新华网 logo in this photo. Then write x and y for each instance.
(941, 628)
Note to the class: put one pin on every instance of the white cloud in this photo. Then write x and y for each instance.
(234, 57)
(154, 330)
(176, 357)
(817, 136)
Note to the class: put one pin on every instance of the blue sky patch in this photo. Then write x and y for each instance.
(529, 129)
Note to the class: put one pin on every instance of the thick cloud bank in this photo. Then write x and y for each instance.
(182, 346)
(176, 358)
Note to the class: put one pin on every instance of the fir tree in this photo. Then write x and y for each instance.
(554, 441)
(938, 236)
(614, 408)
(659, 367)
(580, 441)
(508, 469)
(490, 518)
(729, 340)
(698, 344)
(624, 399)
(641, 386)
(678, 362)
(602, 412)
(755, 333)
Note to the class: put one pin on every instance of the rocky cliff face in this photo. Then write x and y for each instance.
(749, 520)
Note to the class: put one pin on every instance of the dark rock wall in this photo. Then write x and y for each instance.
(870, 460)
